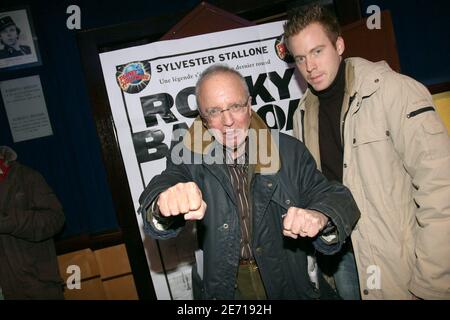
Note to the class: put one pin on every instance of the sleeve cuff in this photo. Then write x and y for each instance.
(329, 234)
(154, 217)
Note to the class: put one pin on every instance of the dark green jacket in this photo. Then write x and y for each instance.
(291, 179)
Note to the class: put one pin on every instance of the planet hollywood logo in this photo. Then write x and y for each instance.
(134, 76)
(282, 51)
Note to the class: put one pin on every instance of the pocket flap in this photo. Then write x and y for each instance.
(370, 134)
(433, 126)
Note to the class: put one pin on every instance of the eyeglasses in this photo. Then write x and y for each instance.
(216, 113)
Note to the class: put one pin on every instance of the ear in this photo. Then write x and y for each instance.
(340, 45)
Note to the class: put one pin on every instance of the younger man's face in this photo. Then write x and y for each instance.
(315, 55)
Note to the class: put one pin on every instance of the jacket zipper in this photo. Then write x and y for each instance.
(302, 120)
(419, 111)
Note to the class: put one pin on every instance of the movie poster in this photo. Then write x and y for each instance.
(151, 91)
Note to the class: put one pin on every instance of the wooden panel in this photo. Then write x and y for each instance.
(373, 45)
(105, 274)
(90, 290)
(205, 18)
(113, 261)
(92, 241)
(121, 288)
(85, 259)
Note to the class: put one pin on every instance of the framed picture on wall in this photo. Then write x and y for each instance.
(18, 42)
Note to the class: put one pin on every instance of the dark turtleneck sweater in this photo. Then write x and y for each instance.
(330, 144)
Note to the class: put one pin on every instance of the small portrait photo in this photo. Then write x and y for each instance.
(17, 40)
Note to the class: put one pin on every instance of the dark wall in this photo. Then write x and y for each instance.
(422, 32)
(71, 160)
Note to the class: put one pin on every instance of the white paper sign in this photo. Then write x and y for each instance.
(26, 109)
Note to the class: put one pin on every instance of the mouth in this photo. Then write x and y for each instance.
(230, 134)
(316, 78)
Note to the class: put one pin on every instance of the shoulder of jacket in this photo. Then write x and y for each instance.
(306, 99)
(394, 78)
(28, 172)
(298, 110)
(289, 142)
(365, 66)
(368, 76)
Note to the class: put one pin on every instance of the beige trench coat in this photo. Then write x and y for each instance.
(397, 165)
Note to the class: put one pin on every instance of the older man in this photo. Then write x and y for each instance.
(257, 196)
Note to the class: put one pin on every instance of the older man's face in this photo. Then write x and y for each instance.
(224, 94)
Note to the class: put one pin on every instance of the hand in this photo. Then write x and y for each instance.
(182, 198)
(303, 222)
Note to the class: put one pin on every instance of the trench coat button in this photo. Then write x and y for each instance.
(345, 165)
(225, 225)
(366, 292)
(354, 140)
(258, 250)
(269, 184)
(235, 285)
(377, 80)
(388, 133)
(287, 201)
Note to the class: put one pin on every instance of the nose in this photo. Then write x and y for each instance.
(227, 118)
(310, 64)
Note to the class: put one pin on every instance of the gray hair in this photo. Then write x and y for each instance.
(217, 69)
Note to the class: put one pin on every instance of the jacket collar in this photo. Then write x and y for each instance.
(364, 77)
(364, 82)
(263, 146)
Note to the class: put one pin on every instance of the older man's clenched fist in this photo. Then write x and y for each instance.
(182, 198)
(303, 222)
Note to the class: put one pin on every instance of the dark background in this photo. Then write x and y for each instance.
(71, 159)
